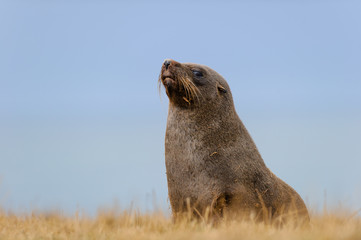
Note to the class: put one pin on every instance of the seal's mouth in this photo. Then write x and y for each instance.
(167, 78)
(168, 82)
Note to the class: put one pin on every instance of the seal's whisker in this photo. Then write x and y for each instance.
(196, 90)
(160, 86)
(188, 88)
(185, 99)
(185, 86)
(193, 90)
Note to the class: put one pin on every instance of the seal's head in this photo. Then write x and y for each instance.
(190, 85)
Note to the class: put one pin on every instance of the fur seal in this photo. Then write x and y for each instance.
(213, 166)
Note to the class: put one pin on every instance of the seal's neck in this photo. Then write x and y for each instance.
(212, 130)
(203, 115)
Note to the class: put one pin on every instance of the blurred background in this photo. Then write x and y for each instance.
(82, 123)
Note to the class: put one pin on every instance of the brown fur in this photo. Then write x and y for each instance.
(213, 166)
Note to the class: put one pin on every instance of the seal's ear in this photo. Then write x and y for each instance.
(221, 89)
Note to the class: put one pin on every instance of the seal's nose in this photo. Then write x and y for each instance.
(167, 63)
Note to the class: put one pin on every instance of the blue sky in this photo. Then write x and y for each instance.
(82, 124)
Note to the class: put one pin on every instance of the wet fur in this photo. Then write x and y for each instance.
(213, 165)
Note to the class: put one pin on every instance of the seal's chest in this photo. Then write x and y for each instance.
(184, 152)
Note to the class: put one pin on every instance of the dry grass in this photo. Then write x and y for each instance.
(125, 225)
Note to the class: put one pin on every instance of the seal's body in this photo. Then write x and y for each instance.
(213, 165)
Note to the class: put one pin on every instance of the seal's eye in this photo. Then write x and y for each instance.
(197, 73)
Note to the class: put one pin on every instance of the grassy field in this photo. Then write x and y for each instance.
(133, 225)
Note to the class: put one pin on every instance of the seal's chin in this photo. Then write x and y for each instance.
(168, 82)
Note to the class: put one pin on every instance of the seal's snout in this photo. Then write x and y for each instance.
(173, 78)
(169, 63)
(167, 74)
(166, 63)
